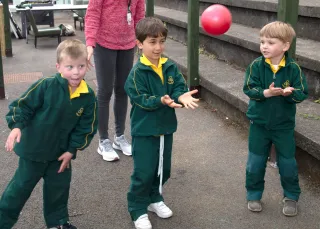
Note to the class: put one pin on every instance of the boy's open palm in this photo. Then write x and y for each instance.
(14, 136)
(275, 91)
(65, 158)
(188, 101)
(170, 102)
(288, 91)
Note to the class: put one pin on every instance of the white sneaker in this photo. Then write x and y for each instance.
(143, 222)
(160, 209)
(105, 149)
(121, 143)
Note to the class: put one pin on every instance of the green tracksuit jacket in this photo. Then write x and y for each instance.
(149, 117)
(51, 123)
(278, 112)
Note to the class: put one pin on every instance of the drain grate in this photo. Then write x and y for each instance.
(21, 77)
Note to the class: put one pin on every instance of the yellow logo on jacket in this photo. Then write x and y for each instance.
(79, 112)
(170, 80)
(286, 84)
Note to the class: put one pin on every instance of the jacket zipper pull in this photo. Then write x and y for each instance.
(274, 76)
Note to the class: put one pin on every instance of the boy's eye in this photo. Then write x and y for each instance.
(69, 67)
(82, 65)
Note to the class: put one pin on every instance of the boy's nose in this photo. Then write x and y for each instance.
(158, 46)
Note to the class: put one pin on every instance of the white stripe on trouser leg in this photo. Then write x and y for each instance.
(160, 167)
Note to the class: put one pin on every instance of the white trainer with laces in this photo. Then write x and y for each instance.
(160, 209)
(121, 143)
(105, 149)
(143, 222)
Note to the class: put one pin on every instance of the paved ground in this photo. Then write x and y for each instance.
(206, 190)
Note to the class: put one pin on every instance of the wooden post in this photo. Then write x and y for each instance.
(150, 8)
(7, 31)
(2, 92)
(193, 44)
(2, 36)
(288, 11)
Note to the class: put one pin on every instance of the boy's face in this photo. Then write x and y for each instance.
(152, 48)
(73, 70)
(273, 48)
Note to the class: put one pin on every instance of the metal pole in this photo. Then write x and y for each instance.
(150, 8)
(288, 11)
(2, 92)
(193, 44)
(7, 31)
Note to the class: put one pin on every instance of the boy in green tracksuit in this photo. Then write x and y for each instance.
(155, 87)
(50, 122)
(275, 84)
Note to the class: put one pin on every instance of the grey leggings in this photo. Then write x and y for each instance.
(112, 69)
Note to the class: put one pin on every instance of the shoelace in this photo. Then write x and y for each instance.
(106, 144)
(123, 141)
(161, 205)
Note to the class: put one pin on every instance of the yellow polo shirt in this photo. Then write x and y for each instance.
(281, 64)
(158, 69)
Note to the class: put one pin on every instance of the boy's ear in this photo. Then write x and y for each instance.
(58, 67)
(139, 44)
(286, 46)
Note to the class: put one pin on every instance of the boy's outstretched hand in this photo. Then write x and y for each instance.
(14, 136)
(187, 100)
(273, 91)
(170, 102)
(288, 91)
(65, 158)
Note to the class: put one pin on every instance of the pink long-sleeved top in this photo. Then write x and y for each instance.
(106, 23)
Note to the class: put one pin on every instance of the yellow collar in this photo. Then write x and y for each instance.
(281, 64)
(82, 88)
(144, 60)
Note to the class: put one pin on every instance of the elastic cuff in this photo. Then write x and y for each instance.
(91, 43)
(159, 103)
(18, 125)
(72, 150)
(136, 214)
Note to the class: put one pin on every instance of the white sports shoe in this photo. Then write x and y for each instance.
(160, 209)
(143, 222)
(105, 149)
(121, 143)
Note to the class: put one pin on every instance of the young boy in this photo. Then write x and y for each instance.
(155, 87)
(50, 122)
(274, 83)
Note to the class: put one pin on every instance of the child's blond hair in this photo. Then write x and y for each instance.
(280, 30)
(73, 48)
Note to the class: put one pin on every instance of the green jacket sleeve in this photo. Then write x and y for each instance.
(180, 86)
(137, 90)
(252, 84)
(22, 110)
(86, 128)
(300, 86)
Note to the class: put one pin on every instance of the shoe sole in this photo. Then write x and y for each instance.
(254, 210)
(290, 215)
(108, 159)
(119, 148)
(162, 217)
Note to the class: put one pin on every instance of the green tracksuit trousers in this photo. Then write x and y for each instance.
(260, 140)
(144, 188)
(55, 192)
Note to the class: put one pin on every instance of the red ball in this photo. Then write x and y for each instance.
(216, 19)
